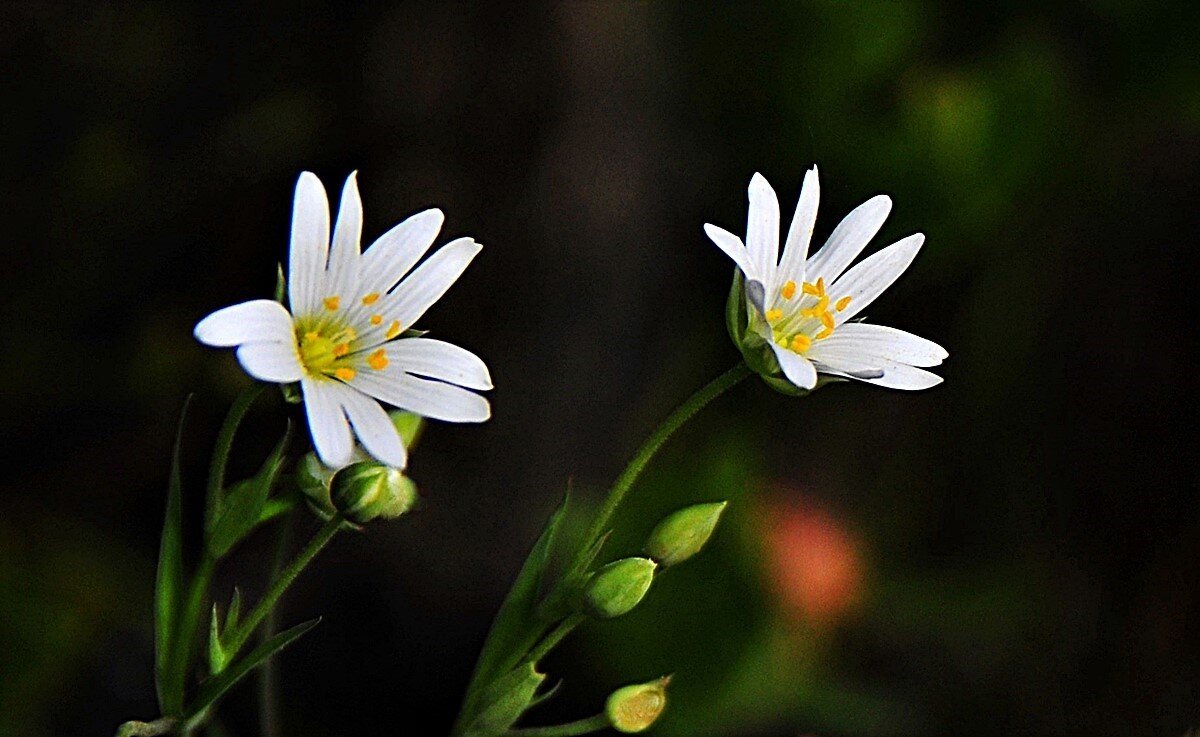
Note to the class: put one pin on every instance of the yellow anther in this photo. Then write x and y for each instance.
(821, 286)
(311, 335)
(371, 298)
(773, 315)
(376, 319)
(343, 373)
(331, 303)
(378, 360)
(341, 349)
(825, 333)
(827, 321)
(789, 290)
(842, 304)
(810, 288)
(801, 343)
(393, 330)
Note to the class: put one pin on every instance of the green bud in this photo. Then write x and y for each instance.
(365, 490)
(683, 533)
(618, 587)
(636, 708)
(506, 699)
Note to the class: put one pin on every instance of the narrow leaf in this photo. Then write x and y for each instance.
(235, 610)
(169, 583)
(216, 653)
(216, 687)
(517, 626)
(244, 502)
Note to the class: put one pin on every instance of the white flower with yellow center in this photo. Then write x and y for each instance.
(343, 339)
(801, 307)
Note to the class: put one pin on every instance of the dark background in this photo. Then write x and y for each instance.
(1013, 552)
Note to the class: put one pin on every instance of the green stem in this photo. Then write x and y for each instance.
(556, 636)
(650, 448)
(570, 729)
(246, 628)
(185, 636)
(220, 458)
(268, 674)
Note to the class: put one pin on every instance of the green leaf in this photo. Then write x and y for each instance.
(220, 458)
(216, 686)
(216, 653)
(280, 284)
(504, 701)
(169, 583)
(244, 502)
(517, 626)
(235, 610)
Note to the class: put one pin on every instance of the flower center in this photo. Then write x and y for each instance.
(323, 351)
(799, 330)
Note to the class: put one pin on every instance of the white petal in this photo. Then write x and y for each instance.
(733, 248)
(390, 258)
(843, 359)
(762, 230)
(881, 342)
(424, 397)
(436, 359)
(310, 245)
(344, 253)
(868, 279)
(795, 249)
(373, 427)
(798, 369)
(273, 361)
(256, 320)
(849, 239)
(429, 281)
(900, 376)
(327, 422)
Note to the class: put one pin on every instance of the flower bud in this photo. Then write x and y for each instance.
(636, 708)
(618, 587)
(365, 490)
(683, 533)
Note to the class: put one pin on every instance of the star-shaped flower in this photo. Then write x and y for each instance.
(344, 337)
(801, 307)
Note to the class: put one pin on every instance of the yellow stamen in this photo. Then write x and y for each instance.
(343, 373)
(376, 319)
(331, 303)
(378, 360)
(371, 298)
(825, 333)
(827, 321)
(842, 304)
(789, 290)
(393, 330)
(773, 315)
(821, 286)
(801, 343)
(341, 349)
(311, 335)
(822, 304)
(810, 288)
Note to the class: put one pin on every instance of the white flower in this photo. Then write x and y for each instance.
(342, 339)
(801, 306)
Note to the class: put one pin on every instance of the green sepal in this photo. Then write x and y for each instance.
(618, 587)
(216, 686)
(505, 700)
(291, 393)
(280, 284)
(217, 657)
(242, 506)
(409, 426)
(169, 581)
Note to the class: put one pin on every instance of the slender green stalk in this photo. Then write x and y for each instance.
(570, 729)
(268, 675)
(246, 628)
(650, 448)
(549, 642)
(185, 636)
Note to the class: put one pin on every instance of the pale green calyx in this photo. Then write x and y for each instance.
(683, 533)
(366, 490)
(617, 588)
(506, 699)
(636, 708)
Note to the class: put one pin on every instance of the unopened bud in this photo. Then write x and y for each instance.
(683, 533)
(636, 708)
(365, 490)
(618, 587)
